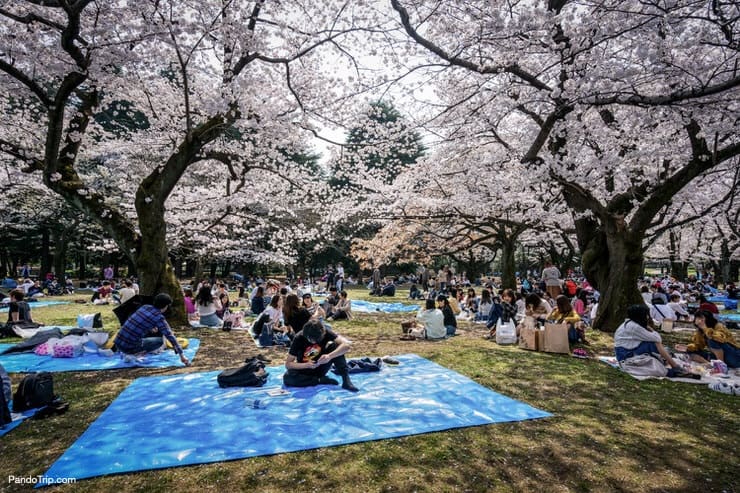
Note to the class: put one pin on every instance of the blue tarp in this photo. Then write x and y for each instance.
(17, 419)
(29, 362)
(731, 317)
(39, 304)
(183, 419)
(371, 307)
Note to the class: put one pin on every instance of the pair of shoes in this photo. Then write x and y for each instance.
(725, 388)
(389, 360)
(407, 337)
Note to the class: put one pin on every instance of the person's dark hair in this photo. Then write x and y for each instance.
(563, 304)
(583, 296)
(533, 299)
(129, 284)
(17, 295)
(343, 294)
(162, 300)
(292, 304)
(658, 300)
(430, 305)
(204, 296)
(187, 292)
(274, 301)
(708, 317)
(510, 293)
(260, 291)
(283, 291)
(639, 314)
(453, 292)
(485, 296)
(441, 297)
(314, 331)
(675, 297)
(332, 288)
(645, 289)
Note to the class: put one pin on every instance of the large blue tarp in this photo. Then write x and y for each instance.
(177, 420)
(29, 362)
(371, 307)
(39, 304)
(17, 419)
(730, 317)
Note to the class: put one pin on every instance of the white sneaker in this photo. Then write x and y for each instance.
(130, 358)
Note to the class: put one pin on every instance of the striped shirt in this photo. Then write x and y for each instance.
(141, 324)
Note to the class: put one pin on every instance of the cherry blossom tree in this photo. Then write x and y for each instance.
(616, 105)
(225, 85)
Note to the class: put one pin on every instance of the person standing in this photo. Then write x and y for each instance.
(108, 273)
(551, 278)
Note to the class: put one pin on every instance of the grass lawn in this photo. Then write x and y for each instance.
(610, 432)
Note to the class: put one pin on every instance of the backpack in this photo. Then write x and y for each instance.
(251, 374)
(35, 390)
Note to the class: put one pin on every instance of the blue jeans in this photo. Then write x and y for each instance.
(211, 320)
(731, 353)
(451, 329)
(645, 347)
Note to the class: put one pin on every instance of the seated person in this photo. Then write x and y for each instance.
(258, 301)
(564, 313)
(415, 293)
(207, 306)
(144, 330)
(733, 292)
(103, 296)
(433, 321)
(295, 315)
(443, 303)
(454, 304)
(127, 292)
(343, 308)
(660, 311)
(18, 310)
(505, 309)
(712, 334)
(35, 290)
(313, 307)
(311, 355)
(485, 303)
(389, 289)
(536, 307)
(223, 297)
(470, 304)
(634, 337)
(678, 308)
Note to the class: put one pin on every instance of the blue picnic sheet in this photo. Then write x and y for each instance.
(18, 418)
(361, 306)
(29, 362)
(204, 423)
(39, 304)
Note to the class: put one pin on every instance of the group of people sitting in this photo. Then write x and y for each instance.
(710, 341)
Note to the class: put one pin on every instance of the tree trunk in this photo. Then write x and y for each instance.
(508, 263)
(46, 259)
(612, 263)
(679, 269)
(724, 263)
(734, 270)
(60, 253)
(152, 263)
(82, 273)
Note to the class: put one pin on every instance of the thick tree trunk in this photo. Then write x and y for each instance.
(734, 271)
(612, 262)
(82, 272)
(724, 263)
(156, 274)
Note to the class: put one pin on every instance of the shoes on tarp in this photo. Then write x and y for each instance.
(725, 388)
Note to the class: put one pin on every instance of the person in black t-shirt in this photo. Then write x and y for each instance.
(18, 310)
(312, 353)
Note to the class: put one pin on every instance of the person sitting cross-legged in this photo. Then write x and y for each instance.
(145, 328)
(311, 355)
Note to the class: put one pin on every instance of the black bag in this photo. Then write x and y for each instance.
(252, 374)
(5, 417)
(35, 390)
(6, 330)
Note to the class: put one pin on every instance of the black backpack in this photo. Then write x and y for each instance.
(5, 417)
(252, 374)
(35, 390)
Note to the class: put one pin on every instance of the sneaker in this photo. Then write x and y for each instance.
(389, 360)
(724, 387)
(130, 358)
